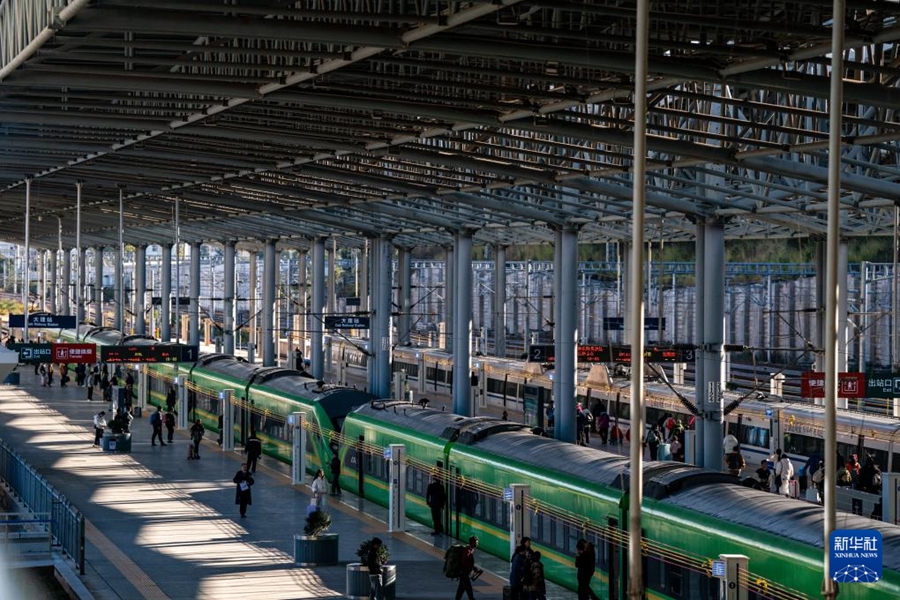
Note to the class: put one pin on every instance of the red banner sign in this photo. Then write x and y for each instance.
(850, 385)
(74, 353)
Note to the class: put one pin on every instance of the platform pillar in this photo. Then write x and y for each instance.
(98, 286)
(396, 454)
(519, 519)
(228, 308)
(165, 295)
(462, 326)
(140, 288)
(317, 309)
(298, 448)
(193, 333)
(181, 388)
(226, 397)
(270, 268)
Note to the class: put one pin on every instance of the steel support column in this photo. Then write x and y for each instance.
(317, 309)
(98, 286)
(381, 333)
(140, 288)
(193, 336)
(566, 333)
(81, 258)
(228, 303)
(165, 294)
(450, 292)
(54, 282)
(66, 286)
(712, 344)
(270, 267)
(302, 301)
(404, 295)
(499, 320)
(119, 292)
(463, 403)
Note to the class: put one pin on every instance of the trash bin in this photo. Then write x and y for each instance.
(136, 412)
(12, 378)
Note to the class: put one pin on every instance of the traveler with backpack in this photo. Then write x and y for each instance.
(735, 462)
(653, 440)
(197, 432)
(466, 570)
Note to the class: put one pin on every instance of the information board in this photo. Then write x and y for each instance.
(43, 320)
(162, 353)
(542, 353)
(618, 323)
(75, 353)
(34, 353)
(850, 385)
(346, 322)
(883, 384)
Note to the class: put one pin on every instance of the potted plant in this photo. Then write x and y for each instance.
(117, 439)
(316, 547)
(358, 585)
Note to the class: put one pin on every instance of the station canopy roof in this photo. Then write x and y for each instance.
(419, 119)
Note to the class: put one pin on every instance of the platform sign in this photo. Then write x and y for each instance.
(162, 353)
(43, 320)
(850, 385)
(34, 353)
(75, 353)
(353, 301)
(542, 353)
(346, 322)
(883, 384)
(718, 569)
(182, 301)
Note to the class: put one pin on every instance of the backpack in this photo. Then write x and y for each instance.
(819, 476)
(736, 461)
(155, 418)
(844, 476)
(453, 559)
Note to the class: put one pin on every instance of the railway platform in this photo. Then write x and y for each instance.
(161, 527)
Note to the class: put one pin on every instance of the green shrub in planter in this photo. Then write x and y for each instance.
(363, 551)
(317, 523)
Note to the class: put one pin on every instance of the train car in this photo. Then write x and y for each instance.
(578, 492)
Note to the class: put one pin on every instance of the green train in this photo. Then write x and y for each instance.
(264, 397)
(690, 514)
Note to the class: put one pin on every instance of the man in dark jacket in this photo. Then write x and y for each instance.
(468, 570)
(436, 498)
(336, 476)
(254, 450)
(242, 495)
(373, 562)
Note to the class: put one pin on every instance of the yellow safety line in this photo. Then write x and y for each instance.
(133, 573)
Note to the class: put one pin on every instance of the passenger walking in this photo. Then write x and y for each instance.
(468, 570)
(171, 398)
(653, 440)
(254, 450)
(336, 476)
(735, 462)
(585, 564)
(242, 496)
(784, 472)
(870, 477)
(537, 587)
(90, 388)
(156, 423)
(170, 425)
(603, 427)
(436, 498)
(197, 432)
(50, 371)
(518, 567)
(319, 489)
(374, 563)
(43, 371)
(99, 426)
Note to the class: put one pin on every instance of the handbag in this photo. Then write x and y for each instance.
(244, 486)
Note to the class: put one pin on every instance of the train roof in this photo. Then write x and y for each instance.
(428, 421)
(661, 478)
(802, 522)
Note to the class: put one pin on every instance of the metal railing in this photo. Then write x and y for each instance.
(39, 496)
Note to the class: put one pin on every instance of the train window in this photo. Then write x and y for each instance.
(754, 436)
(656, 578)
(895, 463)
(675, 578)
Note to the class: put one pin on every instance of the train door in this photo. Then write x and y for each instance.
(774, 416)
(614, 552)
